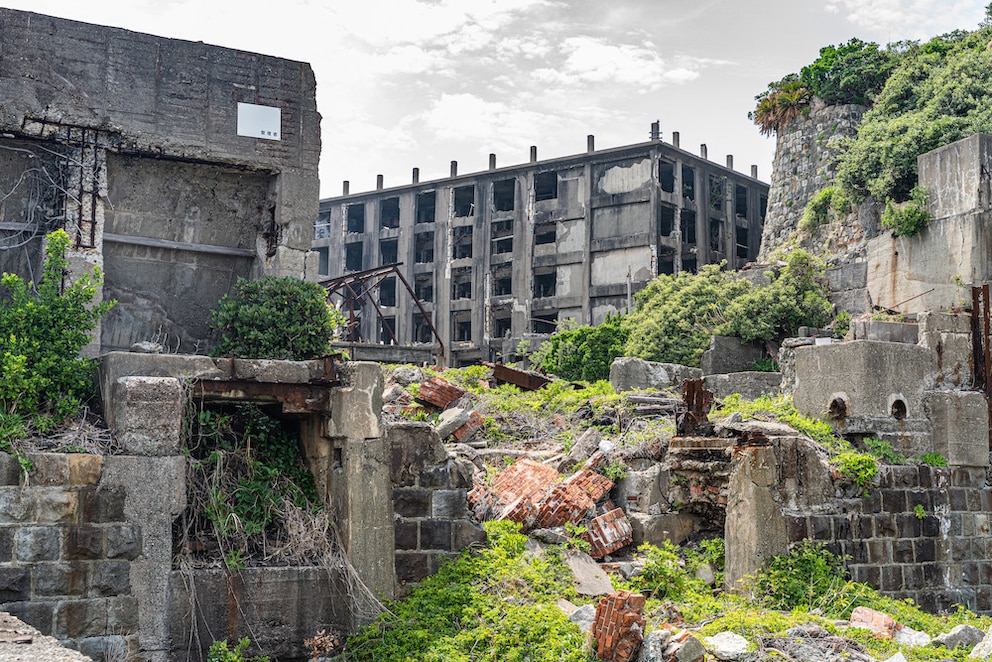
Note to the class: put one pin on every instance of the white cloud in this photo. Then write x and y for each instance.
(893, 20)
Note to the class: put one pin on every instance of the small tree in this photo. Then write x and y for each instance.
(274, 318)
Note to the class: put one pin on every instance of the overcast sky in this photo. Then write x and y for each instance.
(419, 83)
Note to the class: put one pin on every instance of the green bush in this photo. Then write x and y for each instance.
(827, 204)
(274, 318)
(800, 579)
(221, 652)
(854, 72)
(909, 218)
(584, 353)
(859, 467)
(42, 376)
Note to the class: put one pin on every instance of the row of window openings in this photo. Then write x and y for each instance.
(461, 327)
(463, 198)
(716, 237)
(666, 176)
(461, 286)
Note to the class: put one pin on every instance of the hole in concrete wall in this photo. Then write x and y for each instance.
(323, 261)
(465, 200)
(545, 234)
(389, 213)
(716, 235)
(461, 242)
(762, 208)
(741, 238)
(666, 175)
(502, 237)
(837, 408)
(545, 282)
(387, 292)
(689, 264)
(461, 326)
(388, 251)
(421, 329)
(426, 204)
(666, 261)
(544, 323)
(387, 330)
(666, 220)
(501, 325)
(504, 193)
(353, 255)
(337, 463)
(355, 215)
(898, 409)
(322, 227)
(545, 186)
(502, 280)
(688, 227)
(716, 192)
(423, 287)
(740, 201)
(423, 247)
(461, 283)
(688, 182)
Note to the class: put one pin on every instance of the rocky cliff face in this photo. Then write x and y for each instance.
(804, 164)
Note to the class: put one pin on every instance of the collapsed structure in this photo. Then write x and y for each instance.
(499, 255)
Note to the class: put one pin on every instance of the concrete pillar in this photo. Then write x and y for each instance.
(730, 161)
(754, 171)
(590, 143)
(675, 138)
(655, 130)
(378, 182)
(416, 175)
(454, 168)
(533, 153)
(345, 187)
(702, 151)
(492, 161)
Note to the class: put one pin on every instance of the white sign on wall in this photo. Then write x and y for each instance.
(257, 121)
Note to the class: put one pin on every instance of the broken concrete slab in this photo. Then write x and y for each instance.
(751, 384)
(630, 374)
(727, 646)
(960, 421)
(965, 636)
(729, 354)
(589, 578)
(450, 420)
(583, 447)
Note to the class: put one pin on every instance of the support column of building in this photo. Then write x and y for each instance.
(405, 254)
(586, 245)
(730, 225)
(677, 224)
(442, 260)
(482, 230)
(702, 218)
(523, 251)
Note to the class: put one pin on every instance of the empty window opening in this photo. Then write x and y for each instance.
(716, 235)
(461, 242)
(387, 292)
(503, 281)
(504, 193)
(762, 208)
(423, 248)
(389, 213)
(666, 266)
(666, 221)
(545, 234)
(423, 287)
(323, 264)
(740, 201)
(546, 323)
(899, 409)
(461, 283)
(353, 256)
(741, 234)
(465, 201)
(502, 235)
(426, 203)
(666, 175)
(545, 186)
(356, 217)
(716, 193)
(387, 331)
(322, 228)
(688, 227)
(388, 251)
(688, 182)
(421, 329)
(544, 284)
(837, 408)
(501, 327)
(689, 264)
(461, 327)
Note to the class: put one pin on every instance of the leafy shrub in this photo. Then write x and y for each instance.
(854, 72)
(274, 318)
(934, 459)
(907, 219)
(859, 467)
(667, 575)
(883, 451)
(780, 104)
(221, 652)
(780, 408)
(584, 353)
(801, 578)
(829, 202)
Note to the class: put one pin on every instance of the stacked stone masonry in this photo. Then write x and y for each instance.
(923, 533)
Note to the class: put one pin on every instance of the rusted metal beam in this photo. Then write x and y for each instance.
(293, 398)
(525, 380)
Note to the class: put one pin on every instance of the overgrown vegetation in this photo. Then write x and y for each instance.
(274, 318)
(827, 205)
(585, 352)
(780, 408)
(220, 651)
(43, 380)
(908, 218)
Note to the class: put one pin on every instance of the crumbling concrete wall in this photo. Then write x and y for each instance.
(146, 168)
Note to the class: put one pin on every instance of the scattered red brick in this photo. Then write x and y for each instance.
(439, 392)
(565, 502)
(882, 625)
(608, 533)
(619, 626)
(467, 431)
(595, 485)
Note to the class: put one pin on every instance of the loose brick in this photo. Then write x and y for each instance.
(594, 484)
(15, 584)
(618, 626)
(608, 533)
(882, 625)
(439, 392)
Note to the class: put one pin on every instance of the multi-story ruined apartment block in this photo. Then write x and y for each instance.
(497, 255)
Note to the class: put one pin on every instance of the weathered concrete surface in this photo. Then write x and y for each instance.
(729, 354)
(147, 414)
(956, 176)
(848, 287)
(960, 422)
(886, 331)
(756, 528)
(37, 646)
(949, 336)
(750, 384)
(628, 374)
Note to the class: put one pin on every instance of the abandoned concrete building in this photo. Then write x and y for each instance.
(498, 255)
(175, 166)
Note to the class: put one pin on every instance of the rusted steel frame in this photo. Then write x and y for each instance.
(352, 321)
(420, 307)
(378, 311)
(524, 380)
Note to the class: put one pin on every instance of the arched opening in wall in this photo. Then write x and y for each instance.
(837, 408)
(898, 409)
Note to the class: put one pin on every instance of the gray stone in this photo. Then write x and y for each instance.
(37, 543)
(107, 578)
(885, 331)
(960, 635)
(588, 577)
(583, 447)
(58, 579)
(271, 371)
(629, 374)
(727, 646)
(706, 573)
(751, 385)
(566, 607)
(656, 529)
(654, 645)
(640, 491)
(450, 420)
(413, 447)
(729, 354)
(549, 536)
(406, 375)
(960, 421)
(898, 657)
(685, 648)
(147, 414)
(393, 393)
(907, 636)
(449, 504)
(123, 542)
(983, 651)
(146, 347)
(584, 617)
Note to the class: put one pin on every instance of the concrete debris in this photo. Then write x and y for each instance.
(396, 394)
(965, 636)
(654, 645)
(619, 626)
(727, 646)
(983, 651)
(584, 617)
(706, 573)
(449, 421)
(583, 447)
(406, 375)
(812, 643)
(684, 647)
(589, 578)
(898, 657)
(630, 374)
(907, 636)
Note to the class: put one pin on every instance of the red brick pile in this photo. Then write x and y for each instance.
(619, 626)
(608, 533)
(881, 625)
(439, 392)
